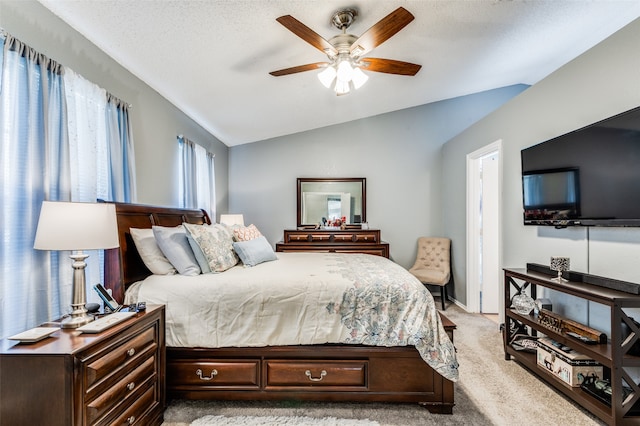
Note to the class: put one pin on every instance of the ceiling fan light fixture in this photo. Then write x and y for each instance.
(345, 71)
(342, 87)
(327, 76)
(359, 78)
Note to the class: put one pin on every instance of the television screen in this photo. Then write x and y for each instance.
(551, 194)
(587, 177)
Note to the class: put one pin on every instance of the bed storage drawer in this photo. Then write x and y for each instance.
(217, 373)
(301, 373)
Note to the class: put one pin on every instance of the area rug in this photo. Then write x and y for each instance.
(279, 420)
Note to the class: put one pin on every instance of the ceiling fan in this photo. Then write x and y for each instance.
(346, 51)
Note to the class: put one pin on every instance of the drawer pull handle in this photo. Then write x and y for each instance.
(315, 379)
(131, 351)
(214, 373)
(131, 420)
(130, 386)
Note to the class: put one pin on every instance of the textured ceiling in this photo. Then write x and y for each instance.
(212, 58)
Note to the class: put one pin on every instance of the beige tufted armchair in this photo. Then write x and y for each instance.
(433, 263)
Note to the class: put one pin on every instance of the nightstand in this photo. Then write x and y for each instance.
(74, 378)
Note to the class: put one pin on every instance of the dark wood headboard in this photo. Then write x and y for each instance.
(123, 265)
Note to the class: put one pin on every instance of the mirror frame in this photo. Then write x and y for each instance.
(301, 181)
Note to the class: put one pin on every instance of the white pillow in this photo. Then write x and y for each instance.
(175, 246)
(150, 253)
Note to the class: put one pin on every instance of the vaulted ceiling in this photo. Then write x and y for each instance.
(212, 58)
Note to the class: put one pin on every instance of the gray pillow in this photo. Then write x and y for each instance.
(175, 246)
(254, 252)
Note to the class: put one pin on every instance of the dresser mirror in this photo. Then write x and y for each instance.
(322, 200)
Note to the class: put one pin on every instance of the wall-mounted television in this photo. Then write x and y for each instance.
(589, 177)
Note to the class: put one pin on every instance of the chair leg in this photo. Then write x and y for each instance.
(443, 296)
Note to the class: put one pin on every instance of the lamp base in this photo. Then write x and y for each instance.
(76, 320)
(78, 316)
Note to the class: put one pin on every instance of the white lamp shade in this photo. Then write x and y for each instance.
(326, 76)
(359, 78)
(345, 71)
(342, 87)
(76, 226)
(232, 219)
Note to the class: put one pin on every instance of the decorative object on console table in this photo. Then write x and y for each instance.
(77, 227)
(523, 303)
(563, 325)
(559, 264)
(564, 363)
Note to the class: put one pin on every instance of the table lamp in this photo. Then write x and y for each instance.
(559, 264)
(77, 227)
(232, 219)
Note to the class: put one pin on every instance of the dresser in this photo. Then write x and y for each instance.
(116, 377)
(336, 241)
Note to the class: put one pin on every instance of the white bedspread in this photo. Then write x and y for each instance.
(303, 299)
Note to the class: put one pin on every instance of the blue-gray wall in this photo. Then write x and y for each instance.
(399, 154)
(602, 82)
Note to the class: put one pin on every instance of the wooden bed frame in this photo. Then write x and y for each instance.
(332, 372)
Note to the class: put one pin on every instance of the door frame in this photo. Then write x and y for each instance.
(473, 223)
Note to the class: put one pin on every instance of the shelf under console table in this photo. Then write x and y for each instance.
(613, 355)
(337, 241)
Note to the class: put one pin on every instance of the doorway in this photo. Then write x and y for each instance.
(484, 171)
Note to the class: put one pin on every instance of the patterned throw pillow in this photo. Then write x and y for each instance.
(216, 243)
(246, 233)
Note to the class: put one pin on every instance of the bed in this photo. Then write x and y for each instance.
(352, 368)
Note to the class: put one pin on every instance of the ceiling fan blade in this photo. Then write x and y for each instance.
(307, 34)
(389, 66)
(381, 31)
(299, 68)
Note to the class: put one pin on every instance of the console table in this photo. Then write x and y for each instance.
(613, 355)
(334, 240)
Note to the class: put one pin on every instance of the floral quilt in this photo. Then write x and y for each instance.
(303, 299)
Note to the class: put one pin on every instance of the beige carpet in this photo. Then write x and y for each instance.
(491, 391)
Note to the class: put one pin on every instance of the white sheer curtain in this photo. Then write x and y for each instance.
(86, 106)
(197, 177)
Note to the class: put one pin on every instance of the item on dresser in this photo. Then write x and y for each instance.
(564, 363)
(560, 324)
(107, 321)
(34, 335)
